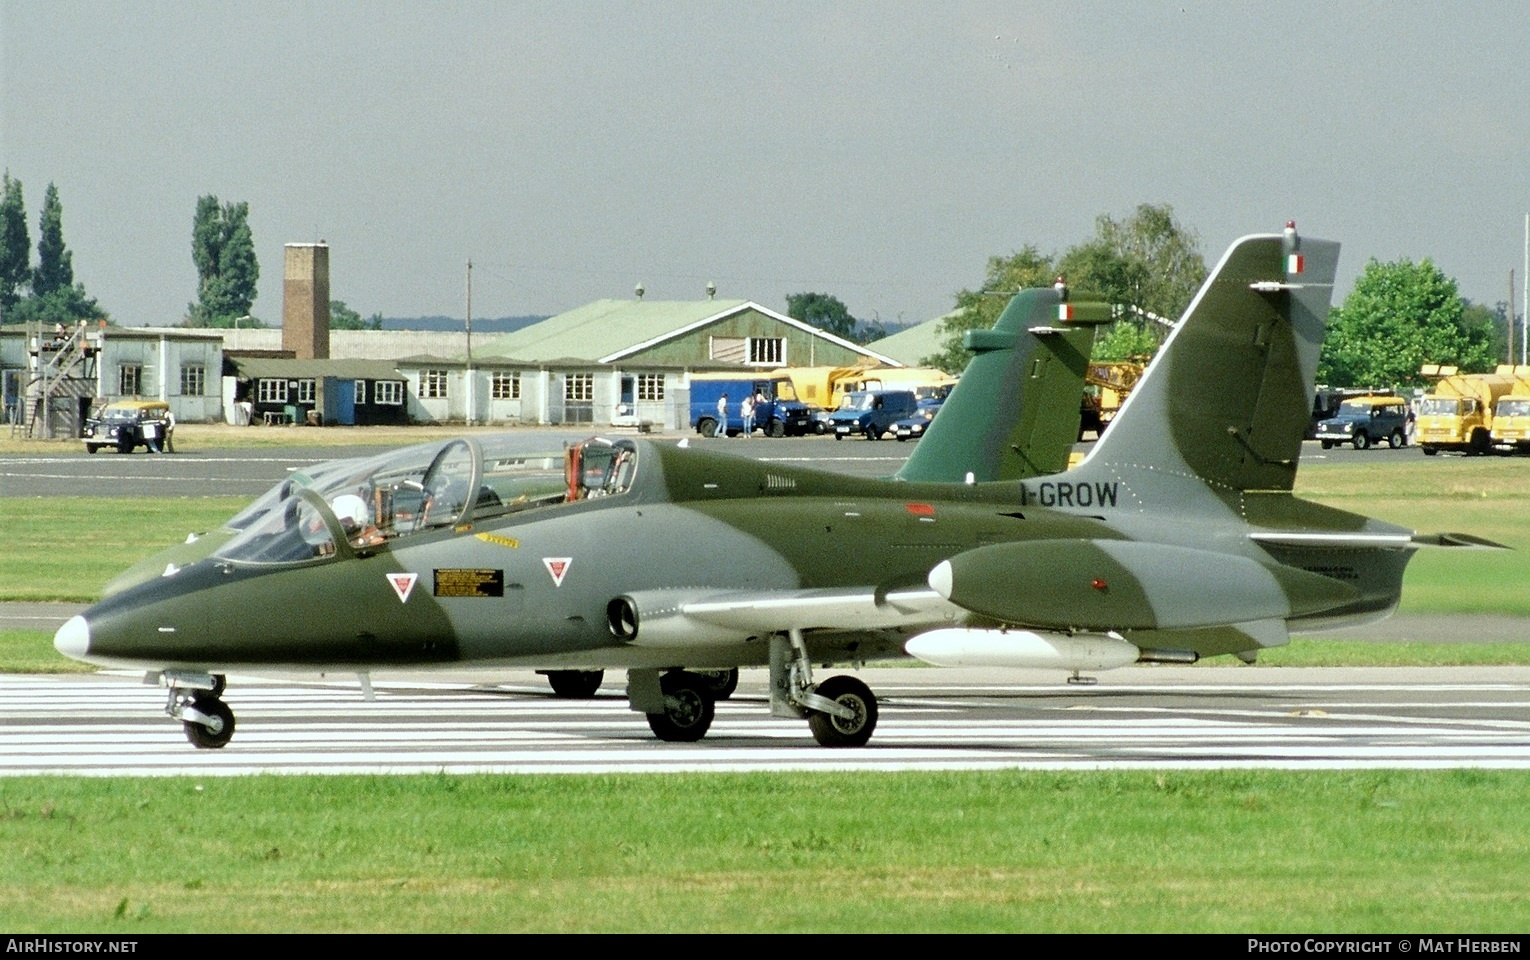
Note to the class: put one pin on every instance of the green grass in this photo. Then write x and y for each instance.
(67, 549)
(1485, 496)
(31, 651)
(1372, 851)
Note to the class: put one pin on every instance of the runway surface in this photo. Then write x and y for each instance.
(1140, 718)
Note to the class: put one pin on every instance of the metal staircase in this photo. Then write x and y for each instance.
(61, 378)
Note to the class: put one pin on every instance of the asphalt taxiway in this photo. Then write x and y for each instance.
(931, 719)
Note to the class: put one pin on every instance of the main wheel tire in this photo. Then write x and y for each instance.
(688, 709)
(776, 429)
(575, 684)
(719, 683)
(1327, 444)
(1396, 439)
(205, 738)
(707, 427)
(1430, 451)
(849, 692)
(92, 447)
(1362, 441)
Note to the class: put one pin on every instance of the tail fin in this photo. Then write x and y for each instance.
(1228, 398)
(1015, 412)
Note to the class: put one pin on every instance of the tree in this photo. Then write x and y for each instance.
(64, 305)
(342, 317)
(822, 310)
(55, 264)
(1400, 316)
(978, 309)
(15, 244)
(1149, 264)
(224, 253)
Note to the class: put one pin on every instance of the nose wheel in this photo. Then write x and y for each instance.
(213, 728)
(195, 702)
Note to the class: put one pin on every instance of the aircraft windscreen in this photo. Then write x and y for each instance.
(294, 531)
(425, 487)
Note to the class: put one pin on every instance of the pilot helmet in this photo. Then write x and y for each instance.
(351, 511)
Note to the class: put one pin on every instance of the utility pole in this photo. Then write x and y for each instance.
(1511, 315)
(470, 341)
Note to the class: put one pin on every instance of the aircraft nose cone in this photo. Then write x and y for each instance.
(73, 638)
(940, 579)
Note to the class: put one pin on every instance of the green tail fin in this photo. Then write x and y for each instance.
(1015, 412)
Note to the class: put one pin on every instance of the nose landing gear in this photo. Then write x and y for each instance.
(195, 701)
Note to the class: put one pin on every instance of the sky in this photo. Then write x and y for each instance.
(880, 152)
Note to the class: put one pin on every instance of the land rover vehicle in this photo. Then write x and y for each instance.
(129, 424)
(1366, 421)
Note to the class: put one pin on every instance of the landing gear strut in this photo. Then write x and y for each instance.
(840, 711)
(195, 701)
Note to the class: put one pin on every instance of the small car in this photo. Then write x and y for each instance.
(912, 428)
(129, 424)
(1365, 422)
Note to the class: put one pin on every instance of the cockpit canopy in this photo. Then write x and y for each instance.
(357, 506)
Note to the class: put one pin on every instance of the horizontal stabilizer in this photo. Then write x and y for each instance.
(1457, 540)
(1368, 540)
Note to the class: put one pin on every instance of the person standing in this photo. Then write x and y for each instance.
(722, 417)
(746, 410)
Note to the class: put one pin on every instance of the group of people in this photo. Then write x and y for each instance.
(746, 409)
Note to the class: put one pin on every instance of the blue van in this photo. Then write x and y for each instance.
(871, 413)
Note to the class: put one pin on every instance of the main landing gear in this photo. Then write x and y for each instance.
(680, 704)
(582, 684)
(196, 701)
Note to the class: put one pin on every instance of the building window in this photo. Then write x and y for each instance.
(505, 386)
(388, 392)
(130, 379)
(361, 392)
(729, 349)
(432, 384)
(271, 391)
(650, 386)
(305, 391)
(193, 380)
(579, 388)
(766, 350)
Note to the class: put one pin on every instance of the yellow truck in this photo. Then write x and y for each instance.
(1457, 412)
(925, 382)
(1107, 383)
(1511, 416)
(821, 386)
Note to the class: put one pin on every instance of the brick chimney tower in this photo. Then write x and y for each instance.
(305, 301)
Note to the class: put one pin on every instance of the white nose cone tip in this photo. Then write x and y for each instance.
(73, 638)
(940, 579)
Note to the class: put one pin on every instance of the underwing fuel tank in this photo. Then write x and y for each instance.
(958, 647)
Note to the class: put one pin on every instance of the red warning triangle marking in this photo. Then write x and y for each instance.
(402, 584)
(558, 567)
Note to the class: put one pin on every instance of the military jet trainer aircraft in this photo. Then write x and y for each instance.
(1178, 538)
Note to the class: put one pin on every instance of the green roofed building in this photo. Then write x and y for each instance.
(912, 345)
(621, 362)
